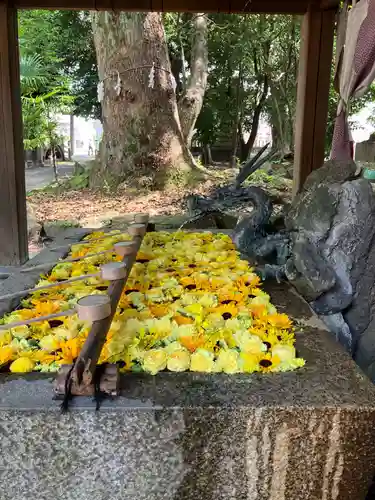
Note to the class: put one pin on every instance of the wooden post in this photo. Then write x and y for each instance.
(13, 221)
(313, 91)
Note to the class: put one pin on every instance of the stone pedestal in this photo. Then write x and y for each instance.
(304, 435)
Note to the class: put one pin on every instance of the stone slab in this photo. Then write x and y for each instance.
(304, 435)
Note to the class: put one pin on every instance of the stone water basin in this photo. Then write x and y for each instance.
(301, 435)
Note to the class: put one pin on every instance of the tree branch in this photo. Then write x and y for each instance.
(191, 102)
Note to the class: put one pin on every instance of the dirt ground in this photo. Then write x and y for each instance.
(86, 206)
(90, 208)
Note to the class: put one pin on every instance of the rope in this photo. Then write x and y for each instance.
(145, 66)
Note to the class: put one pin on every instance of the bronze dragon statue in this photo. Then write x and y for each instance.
(255, 236)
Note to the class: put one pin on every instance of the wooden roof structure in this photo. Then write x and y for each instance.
(312, 97)
(227, 6)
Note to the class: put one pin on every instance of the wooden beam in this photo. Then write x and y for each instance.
(13, 222)
(313, 90)
(329, 4)
(233, 6)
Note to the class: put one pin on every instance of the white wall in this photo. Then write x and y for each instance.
(87, 133)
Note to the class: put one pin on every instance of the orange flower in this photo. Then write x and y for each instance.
(192, 343)
(188, 282)
(258, 310)
(71, 349)
(183, 320)
(159, 310)
(46, 307)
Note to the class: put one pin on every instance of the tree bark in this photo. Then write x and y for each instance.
(142, 139)
(191, 102)
(237, 119)
(255, 121)
(207, 156)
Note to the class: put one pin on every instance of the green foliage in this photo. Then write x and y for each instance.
(33, 74)
(261, 178)
(63, 224)
(253, 67)
(63, 44)
(79, 181)
(253, 64)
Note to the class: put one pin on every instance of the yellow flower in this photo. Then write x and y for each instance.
(227, 310)
(71, 348)
(207, 300)
(249, 280)
(154, 361)
(249, 362)
(188, 282)
(143, 257)
(195, 309)
(284, 352)
(46, 307)
(279, 320)
(159, 310)
(61, 271)
(285, 337)
(5, 337)
(268, 363)
(226, 295)
(178, 358)
(159, 328)
(249, 343)
(6, 354)
(22, 365)
(19, 315)
(195, 297)
(20, 332)
(202, 361)
(49, 343)
(262, 301)
(293, 364)
(227, 361)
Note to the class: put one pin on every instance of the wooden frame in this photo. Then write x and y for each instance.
(227, 6)
(315, 63)
(313, 93)
(13, 221)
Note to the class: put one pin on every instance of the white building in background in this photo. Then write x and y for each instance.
(361, 126)
(81, 135)
(264, 135)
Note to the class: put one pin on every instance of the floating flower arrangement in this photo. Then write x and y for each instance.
(190, 304)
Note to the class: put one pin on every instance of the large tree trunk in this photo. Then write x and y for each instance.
(142, 139)
(190, 104)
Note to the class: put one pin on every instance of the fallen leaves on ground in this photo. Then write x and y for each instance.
(82, 206)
